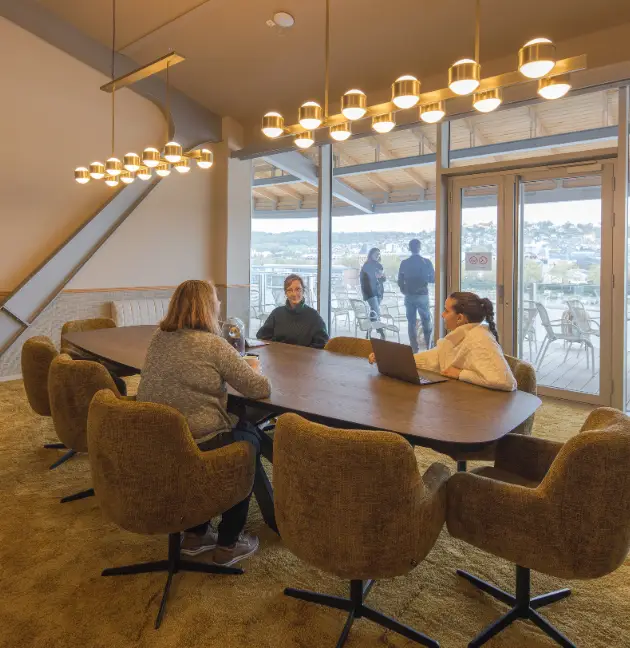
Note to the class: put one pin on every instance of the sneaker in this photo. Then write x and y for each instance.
(245, 546)
(193, 544)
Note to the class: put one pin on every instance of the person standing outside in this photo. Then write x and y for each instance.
(372, 279)
(414, 276)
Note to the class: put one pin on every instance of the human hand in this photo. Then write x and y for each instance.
(452, 372)
(372, 358)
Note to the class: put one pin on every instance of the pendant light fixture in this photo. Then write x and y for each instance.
(97, 170)
(310, 115)
(163, 169)
(143, 173)
(353, 104)
(537, 58)
(383, 123)
(304, 140)
(341, 132)
(273, 124)
(554, 87)
(464, 76)
(183, 166)
(82, 175)
(488, 100)
(433, 112)
(131, 162)
(406, 92)
(127, 177)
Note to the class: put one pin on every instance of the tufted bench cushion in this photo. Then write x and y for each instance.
(133, 312)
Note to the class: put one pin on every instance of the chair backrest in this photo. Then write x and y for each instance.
(148, 473)
(589, 484)
(37, 355)
(79, 326)
(525, 376)
(360, 308)
(579, 315)
(545, 321)
(347, 501)
(349, 346)
(71, 385)
(135, 312)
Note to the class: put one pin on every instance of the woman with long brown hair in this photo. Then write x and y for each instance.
(187, 367)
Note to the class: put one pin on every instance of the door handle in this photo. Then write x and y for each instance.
(500, 295)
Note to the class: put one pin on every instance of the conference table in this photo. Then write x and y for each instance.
(346, 391)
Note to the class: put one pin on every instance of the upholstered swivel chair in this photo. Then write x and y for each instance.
(349, 346)
(37, 355)
(339, 494)
(560, 509)
(151, 478)
(71, 385)
(525, 376)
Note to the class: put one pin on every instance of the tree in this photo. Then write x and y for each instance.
(532, 271)
(562, 271)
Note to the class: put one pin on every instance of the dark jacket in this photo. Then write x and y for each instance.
(370, 285)
(415, 275)
(302, 326)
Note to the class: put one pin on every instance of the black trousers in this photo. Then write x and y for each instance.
(233, 520)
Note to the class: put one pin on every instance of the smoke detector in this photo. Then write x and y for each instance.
(281, 19)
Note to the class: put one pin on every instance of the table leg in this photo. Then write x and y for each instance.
(263, 492)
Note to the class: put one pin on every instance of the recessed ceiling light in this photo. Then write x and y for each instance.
(283, 19)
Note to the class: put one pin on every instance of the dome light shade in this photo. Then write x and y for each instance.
(354, 104)
(310, 115)
(97, 170)
(173, 152)
(132, 162)
(554, 87)
(162, 170)
(464, 76)
(537, 58)
(383, 123)
(488, 100)
(113, 166)
(183, 166)
(150, 157)
(405, 92)
(205, 159)
(341, 132)
(273, 124)
(304, 140)
(81, 175)
(144, 173)
(111, 181)
(127, 177)
(433, 112)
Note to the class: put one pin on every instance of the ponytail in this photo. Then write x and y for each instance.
(476, 309)
(488, 310)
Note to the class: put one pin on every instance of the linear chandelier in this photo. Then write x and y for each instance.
(536, 61)
(133, 165)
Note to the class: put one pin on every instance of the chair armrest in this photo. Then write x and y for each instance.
(527, 456)
(601, 418)
(435, 477)
(129, 398)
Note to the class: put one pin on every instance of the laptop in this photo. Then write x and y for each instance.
(396, 361)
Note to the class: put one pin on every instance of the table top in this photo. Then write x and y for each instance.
(348, 390)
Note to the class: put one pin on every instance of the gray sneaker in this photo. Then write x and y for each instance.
(245, 546)
(193, 544)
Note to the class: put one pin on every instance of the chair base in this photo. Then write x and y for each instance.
(78, 496)
(62, 459)
(462, 465)
(523, 607)
(55, 446)
(356, 609)
(172, 565)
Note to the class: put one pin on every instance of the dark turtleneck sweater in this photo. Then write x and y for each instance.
(301, 325)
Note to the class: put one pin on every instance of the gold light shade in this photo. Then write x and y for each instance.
(310, 115)
(304, 140)
(111, 181)
(151, 157)
(173, 152)
(341, 132)
(554, 87)
(97, 170)
(464, 76)
(132, 162)
(433, 112)
(488, 100)
(273, 124)
(144, 173)
(205, 159)
(183, 166)
(354, 104)
(537, 58)
(383, 123)
(162, 169)
(82, 175)
(127, 177)
(113, 166)
(406, 91)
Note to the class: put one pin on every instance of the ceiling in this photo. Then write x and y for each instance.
(236, 65)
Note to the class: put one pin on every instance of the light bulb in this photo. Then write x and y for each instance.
(162, 170)
(354, 104)
(310, 115)
(151, 157)
(97, 170)
(273, 124)
(341, 132)
(82, 175)
(464, 76)
(383, 123)
(304, 140)
(127, 177)
(205, 159)
(131, 162)
(183, 166)
(113, 166)
(144, 173)
(537, 58)
(554, 87)
(111, 181)
(406, 91)
(173, 152)
(488, 100)
(433, 112)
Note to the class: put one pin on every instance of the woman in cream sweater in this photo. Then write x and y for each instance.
(471, 351)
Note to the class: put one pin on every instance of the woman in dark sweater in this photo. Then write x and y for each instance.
(295, 322)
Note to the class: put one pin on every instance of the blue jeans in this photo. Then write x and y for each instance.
(414, 305)
(375, 311)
